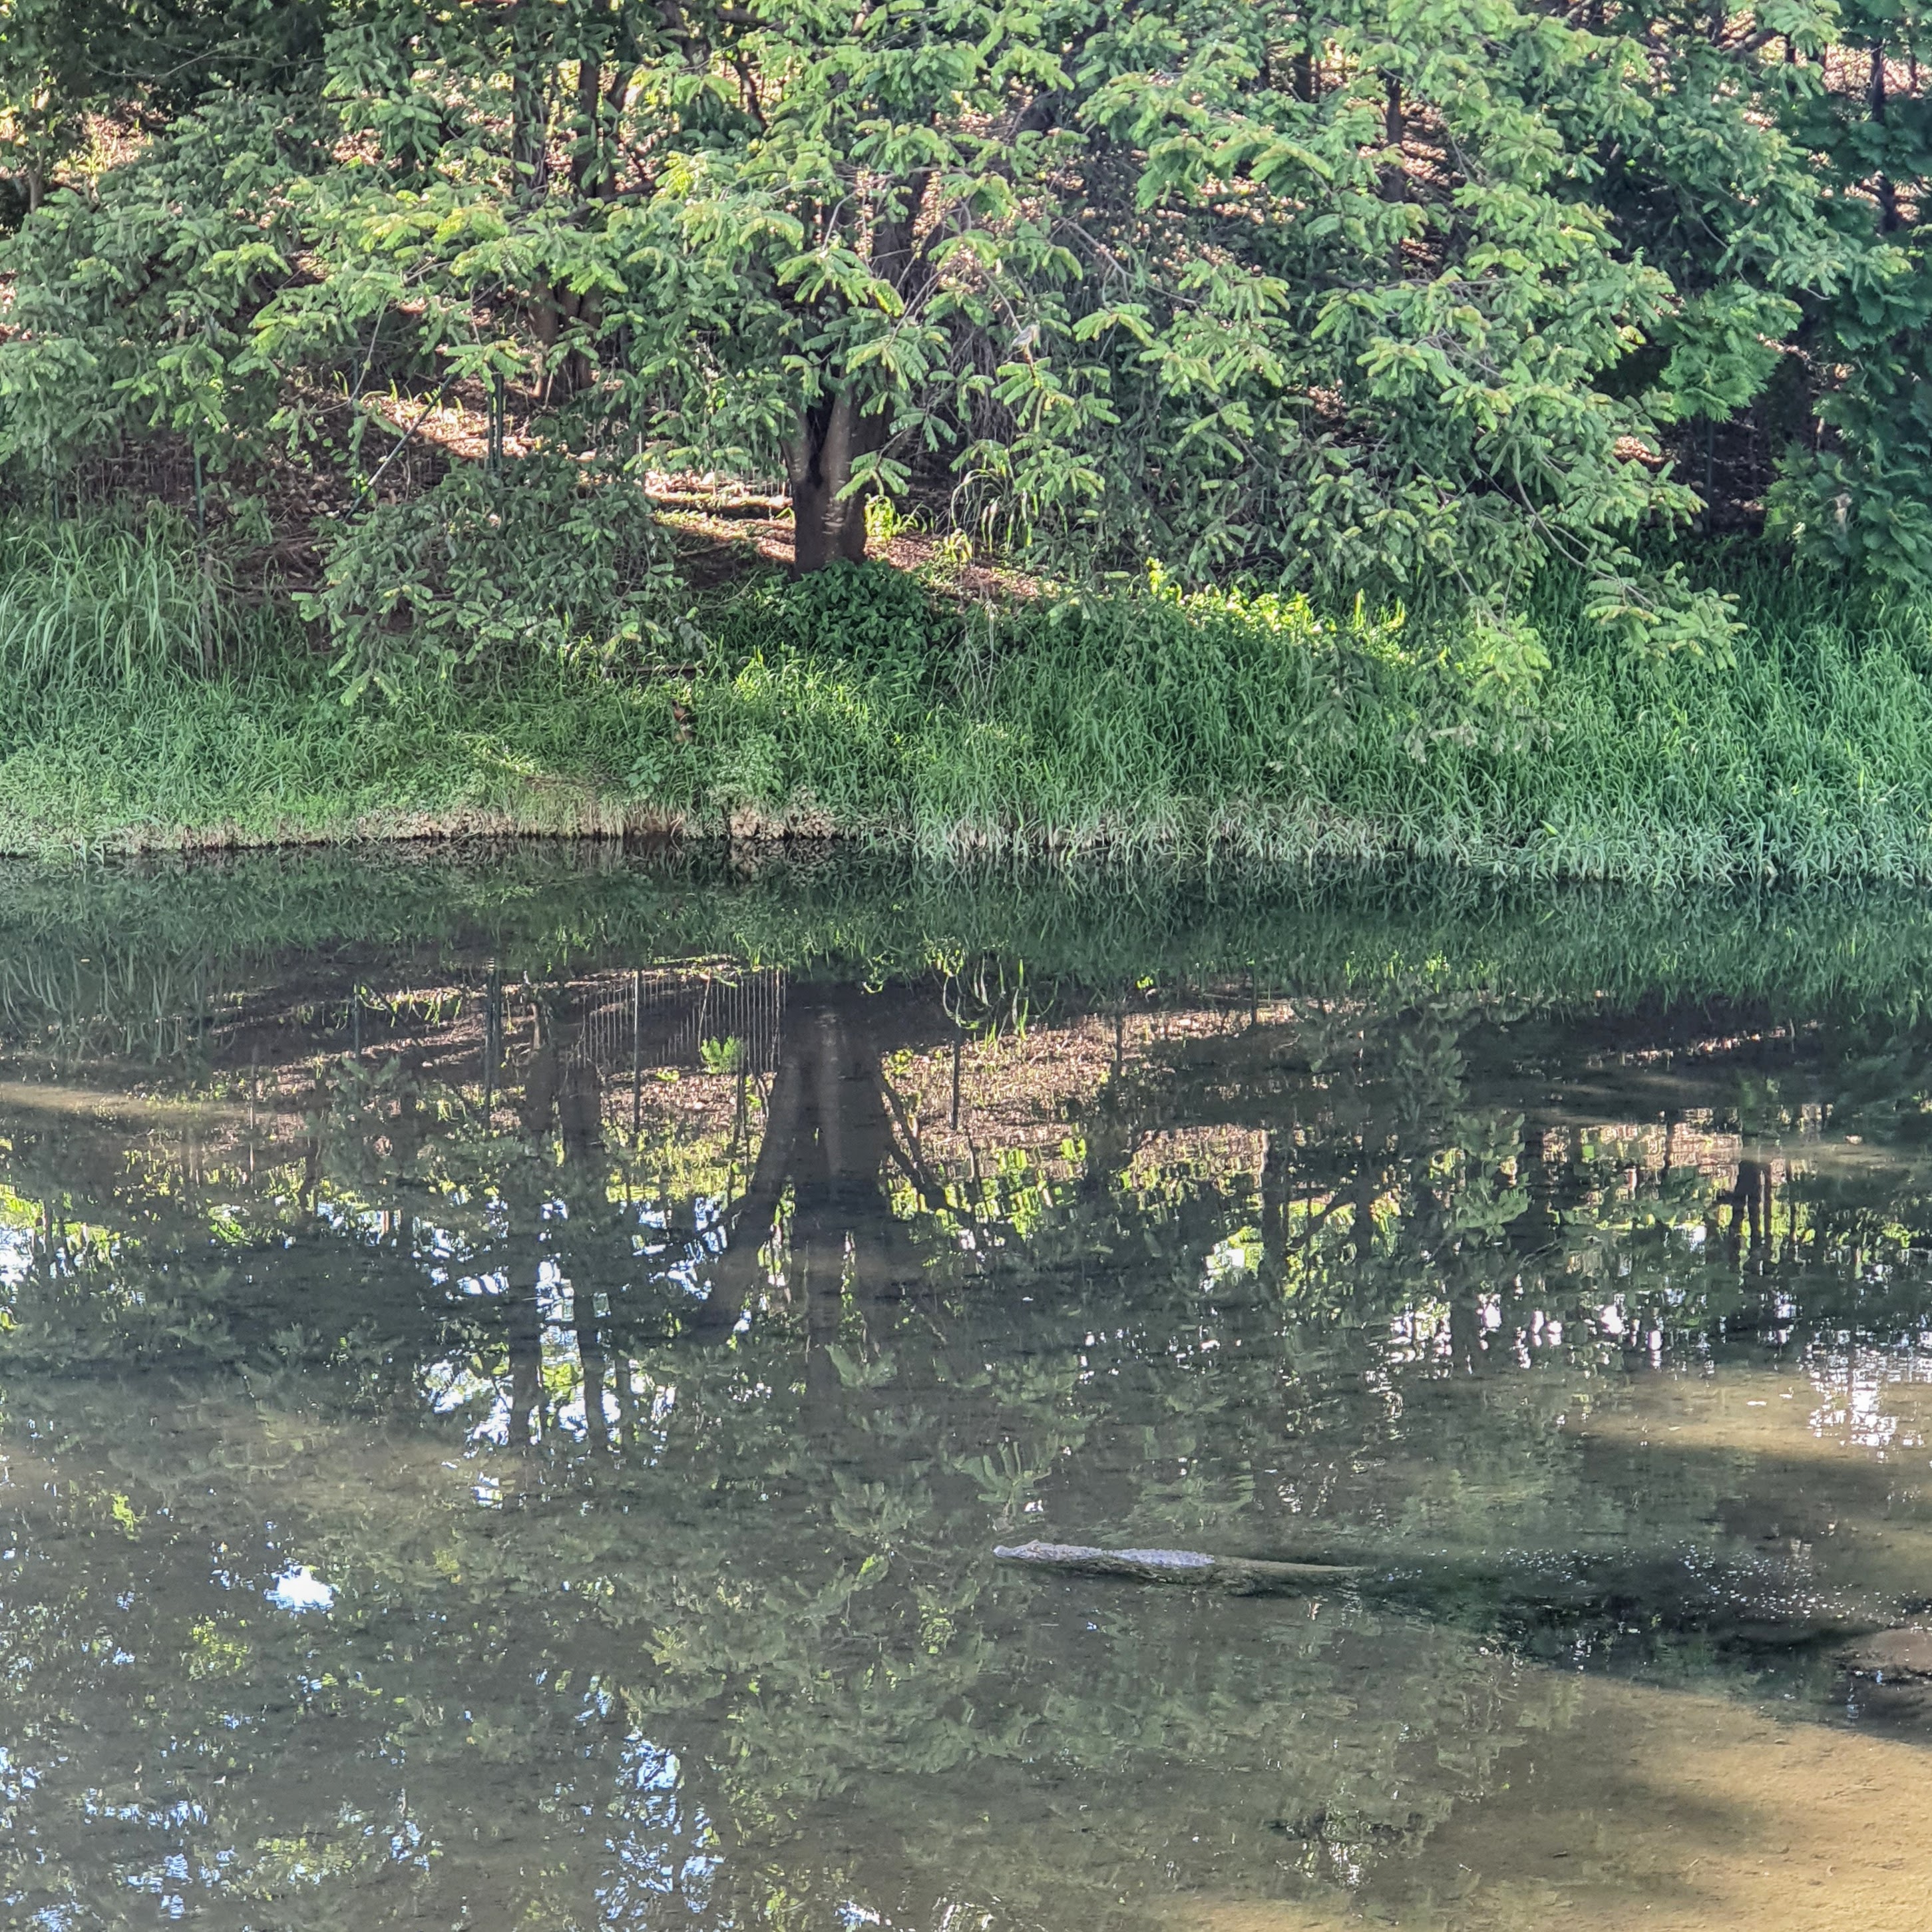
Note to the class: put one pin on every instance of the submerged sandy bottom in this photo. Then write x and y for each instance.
(1683, 1810)
(1671, 1810)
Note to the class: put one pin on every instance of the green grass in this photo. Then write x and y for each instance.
(91, 604)
(144, 706)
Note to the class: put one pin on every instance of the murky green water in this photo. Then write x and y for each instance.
(512, 1373)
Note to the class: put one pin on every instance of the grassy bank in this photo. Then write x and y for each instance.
(145, 708)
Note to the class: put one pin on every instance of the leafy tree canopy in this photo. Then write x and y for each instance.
(1405, 298)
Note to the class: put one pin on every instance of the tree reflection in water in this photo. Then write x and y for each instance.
(643, 1357)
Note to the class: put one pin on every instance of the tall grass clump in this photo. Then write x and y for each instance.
(100, 604)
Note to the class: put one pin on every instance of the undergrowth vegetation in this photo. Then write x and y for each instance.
(147, 703)
(100, 606)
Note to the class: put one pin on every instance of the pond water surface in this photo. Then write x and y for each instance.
(513, 1370)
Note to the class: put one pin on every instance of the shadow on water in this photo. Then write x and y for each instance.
(513, 1373)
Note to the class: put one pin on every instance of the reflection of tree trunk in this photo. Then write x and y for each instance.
(1110, 1141)
(580, 1119)
(829, 1134)
(526, 1339)
(409, 1129)
(821, 1270)
(542, 1077)
(735, 1274)
(1110, 1153)
(846, 1194)
(1757, 1205)
(1368, 1191)
(624, 1428)
(568, 1089)
(1748, 1210)
(590, 1354)
(563, 1087)
(580, 1112)
(1539, 1227)
(1274, 1203)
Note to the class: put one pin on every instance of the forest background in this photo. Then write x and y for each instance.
(1426, 428)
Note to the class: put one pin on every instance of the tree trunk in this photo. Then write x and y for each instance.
(1395, 132)
(1888, 194)
(895, 255)
(1395, 179)
(827, 526)
(587, 162)
(529, 125)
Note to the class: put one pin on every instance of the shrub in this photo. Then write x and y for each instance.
(550, 555)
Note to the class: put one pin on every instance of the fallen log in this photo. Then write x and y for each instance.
(1240, 1575)
(1542, 1602)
